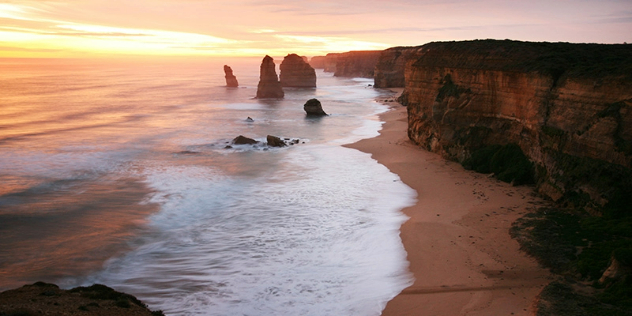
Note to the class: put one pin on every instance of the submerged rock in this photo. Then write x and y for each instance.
(231, 80)
(313, 108)
(242, 140)
(296, 72)
(274, 141)
(269, 85)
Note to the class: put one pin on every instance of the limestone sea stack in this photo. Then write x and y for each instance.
(231, 80)
(313, 108)
(296, 72)
(269, 85)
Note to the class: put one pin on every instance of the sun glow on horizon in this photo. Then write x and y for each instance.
(102, 28)
(31, 33)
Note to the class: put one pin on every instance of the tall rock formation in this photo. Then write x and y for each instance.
(231, 80)
(295, 72)
(357, 63)
(568, 107)
(269, 85)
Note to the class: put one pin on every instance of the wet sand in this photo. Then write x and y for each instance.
(457, 238)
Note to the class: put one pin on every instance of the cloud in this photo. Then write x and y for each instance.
(21, 49)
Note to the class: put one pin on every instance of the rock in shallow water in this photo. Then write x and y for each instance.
(313, 107)
(231, 80)
(295, 72)
(274, 141)
(243, 140)
(269, 85)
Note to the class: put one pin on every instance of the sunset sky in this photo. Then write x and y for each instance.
(110, 28)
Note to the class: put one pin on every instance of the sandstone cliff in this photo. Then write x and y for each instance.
(231, 80)
(327, 63)
(318, 62)
(389, 70)
(356, 64)
(295, 72)
(568, 107)
(269, 85)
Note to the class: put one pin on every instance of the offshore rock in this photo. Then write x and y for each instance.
(568, 107)
(242, 140)
(357, 63)
(313, 108)
(295, 72)
(274, 141)
(269, 85)
(231, 80)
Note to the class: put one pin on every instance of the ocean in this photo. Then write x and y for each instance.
(118, 172)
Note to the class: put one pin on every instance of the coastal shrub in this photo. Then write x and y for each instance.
(507, 162)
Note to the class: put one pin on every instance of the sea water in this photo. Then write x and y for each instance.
(122, 173)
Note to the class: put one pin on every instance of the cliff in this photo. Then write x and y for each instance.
(296, 72)
(389, 70)
(567, 106)
(327, 63)
(269, 85)
(356, 64)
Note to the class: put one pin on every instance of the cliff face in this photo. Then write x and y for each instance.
(295, 72)
(389, 70)
(356, 64)
(568, 107)
(327, 63)
(269, 85)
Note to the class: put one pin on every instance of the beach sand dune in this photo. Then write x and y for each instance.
(457, 238)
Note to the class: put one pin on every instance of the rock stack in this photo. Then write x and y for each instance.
(296, 72)
(231, 80)
(269, 85)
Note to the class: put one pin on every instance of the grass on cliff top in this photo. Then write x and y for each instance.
(555, 59)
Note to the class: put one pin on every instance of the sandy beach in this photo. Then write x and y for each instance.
(457, 238)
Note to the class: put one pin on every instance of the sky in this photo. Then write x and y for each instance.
(118, 28)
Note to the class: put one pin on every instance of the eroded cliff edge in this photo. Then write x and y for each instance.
(564, 104)
(567, 107)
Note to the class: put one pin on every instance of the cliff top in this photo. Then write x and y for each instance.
(555, 59)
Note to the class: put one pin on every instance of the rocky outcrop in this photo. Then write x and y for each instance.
(243, 140)
(389, 70)
(568, 107)
(295, 72)
(269, 85)
(231, 80)
(274, 141)
(357, 63)
(49, 299)
(313, 108)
